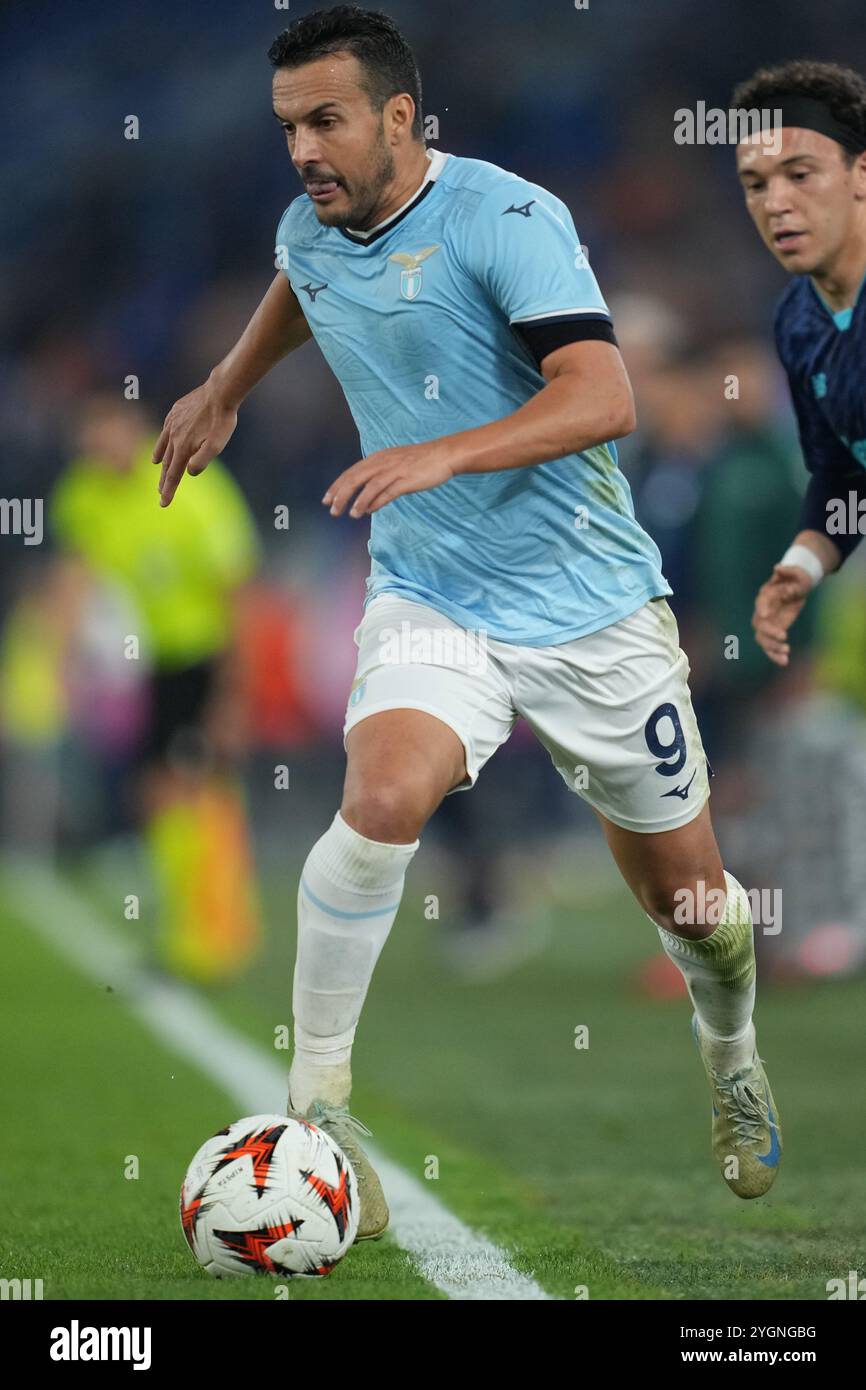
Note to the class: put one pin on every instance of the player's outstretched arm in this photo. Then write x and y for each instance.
(781, 599)
(199, 425)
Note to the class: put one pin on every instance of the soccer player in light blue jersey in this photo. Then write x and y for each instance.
(456, 307)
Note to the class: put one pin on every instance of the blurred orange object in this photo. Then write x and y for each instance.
(210, 926)
(269, 643)
(659, 978)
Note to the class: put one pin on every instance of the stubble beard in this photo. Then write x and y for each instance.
(363, 213)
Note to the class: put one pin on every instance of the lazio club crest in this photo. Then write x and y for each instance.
(412, 272)
(358, 691)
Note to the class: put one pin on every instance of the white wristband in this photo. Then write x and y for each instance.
(804, 559)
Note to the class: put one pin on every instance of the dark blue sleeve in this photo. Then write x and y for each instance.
(835, 472)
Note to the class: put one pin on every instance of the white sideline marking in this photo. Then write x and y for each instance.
(459, 1261)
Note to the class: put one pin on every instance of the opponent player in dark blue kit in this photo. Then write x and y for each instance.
(808, 201)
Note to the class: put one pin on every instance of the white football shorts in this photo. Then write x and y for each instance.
(613, 709)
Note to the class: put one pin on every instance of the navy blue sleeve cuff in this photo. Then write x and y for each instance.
(827, 487)
(545, 336)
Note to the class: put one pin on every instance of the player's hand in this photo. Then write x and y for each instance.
(778, 603)
(387, 474)
(196, 429)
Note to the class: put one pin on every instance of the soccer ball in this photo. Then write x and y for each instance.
(269, 1195)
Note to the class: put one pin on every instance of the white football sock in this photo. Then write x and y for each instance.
(719, 972)
(348, 897)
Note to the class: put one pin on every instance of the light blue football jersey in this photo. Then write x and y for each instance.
(415, 318)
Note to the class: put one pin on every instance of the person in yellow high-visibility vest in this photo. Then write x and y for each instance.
(181, 571)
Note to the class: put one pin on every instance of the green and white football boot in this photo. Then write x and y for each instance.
(344, 1129)
(746, 1133)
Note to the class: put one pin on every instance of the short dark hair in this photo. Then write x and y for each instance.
(842, 90)
(374, 39)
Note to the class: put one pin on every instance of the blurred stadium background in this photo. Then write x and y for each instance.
(143, 259)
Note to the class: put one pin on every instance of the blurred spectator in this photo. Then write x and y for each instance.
(179, 570)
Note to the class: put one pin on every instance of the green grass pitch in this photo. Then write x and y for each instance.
(588, 1168)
